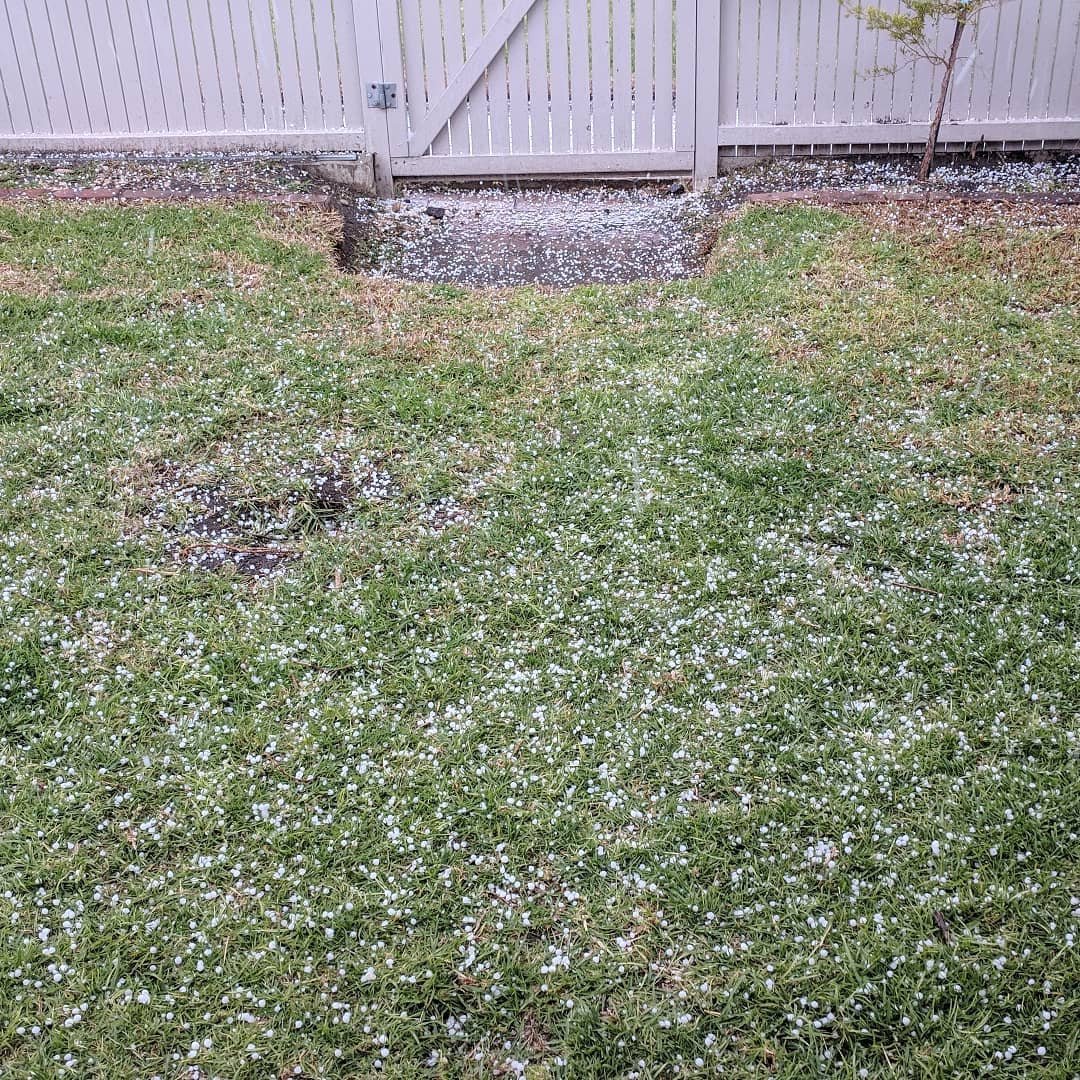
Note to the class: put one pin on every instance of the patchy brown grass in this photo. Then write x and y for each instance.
(308, 226)
(848, 273)
(1046, 260)
(27, 282)
(240, 272)
(916, 303)
(1033, 245)
(951, 216)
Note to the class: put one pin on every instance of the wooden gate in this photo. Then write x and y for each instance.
(476, 88)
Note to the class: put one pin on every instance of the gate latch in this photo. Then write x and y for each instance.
(382, 95)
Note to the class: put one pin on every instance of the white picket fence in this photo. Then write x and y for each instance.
(517, 86)
(799, 71)
(180, 74)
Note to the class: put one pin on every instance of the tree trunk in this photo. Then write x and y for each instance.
(939, 110)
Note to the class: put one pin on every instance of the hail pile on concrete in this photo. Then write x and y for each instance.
(552, 237)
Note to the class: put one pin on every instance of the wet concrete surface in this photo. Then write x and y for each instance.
(549, 237)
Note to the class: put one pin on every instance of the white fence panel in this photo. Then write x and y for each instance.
(562, 85)
(163, 74)
(807, 72)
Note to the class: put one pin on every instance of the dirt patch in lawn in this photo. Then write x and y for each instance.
(219, 526)
(256, 536)
(551, 237)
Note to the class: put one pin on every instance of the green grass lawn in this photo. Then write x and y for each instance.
(678, 679)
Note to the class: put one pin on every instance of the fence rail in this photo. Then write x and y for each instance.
(291, 74)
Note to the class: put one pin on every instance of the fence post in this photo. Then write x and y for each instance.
(370, 52)
(707, 92)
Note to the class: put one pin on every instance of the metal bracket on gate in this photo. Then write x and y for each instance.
(382, 95)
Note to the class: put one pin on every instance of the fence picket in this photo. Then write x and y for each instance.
(600, 73)
(980, 55)
(622, 77)
(746, 67)
(168, 69)
(50, 22)
(284, 47)
(88, 62)
(53, 78)
(33, 84)
(498, 88)
(663, 128)
(432, 39)
(1072, 94)
(786, 48)
(454, 45)
(517, 73)
(903, 88)
(685, 73)
(768, 58)
(580, 97)
(271, 92)
(147, 67)
(864, 83)
(958, 106)
(1068, 41)
(347, 65)
(176, 26)
(1004, 56)
(11, 78)
(1051, 23)
(307, 57)
(247, 65)
(845, 74)
(331, 90)
(562, 139)
(1025, 73)
(729, 64)
(808, 28)
(412, 53)
(882, 79)
(7, 124)
(643, 89)
(539, 79)
(202, 37)
(479, 125)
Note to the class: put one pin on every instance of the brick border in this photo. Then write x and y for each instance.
(828, 197)
(821, 196)
(156, 195)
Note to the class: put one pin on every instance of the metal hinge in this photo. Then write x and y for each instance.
(382, 95)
